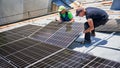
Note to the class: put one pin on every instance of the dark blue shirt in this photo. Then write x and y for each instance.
(66, 17)
(96, 14)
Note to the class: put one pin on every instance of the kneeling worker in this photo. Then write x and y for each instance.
(65, 15)
(95, 17)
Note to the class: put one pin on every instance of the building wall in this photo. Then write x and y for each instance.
(13, 10)
(9, 8)
(35, 7)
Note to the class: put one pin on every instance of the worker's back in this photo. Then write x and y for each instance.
(95, 13)
(98, 16)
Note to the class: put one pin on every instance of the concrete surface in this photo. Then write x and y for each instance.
(106, 53)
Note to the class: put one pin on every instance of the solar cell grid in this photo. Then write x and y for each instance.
(71, 59)
(26, 51)
(57, 42)
(64, 38)
(6, 38)
(52, 27)
(69, 30)
(3, 34)
(55, 35)
(25, 57)
(65, 35)
(17, 61)
(47, 31)
(4, 64)
(25, 30)
(45, 34)
(25, 27)
(65, 59)
(18, 33)
(16, 46)
(6, 33)
(39, 38)
(71, 35)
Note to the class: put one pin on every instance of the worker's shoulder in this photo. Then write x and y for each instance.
(92, 8)
(69, 12)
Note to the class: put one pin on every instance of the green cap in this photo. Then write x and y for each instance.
(61, 8)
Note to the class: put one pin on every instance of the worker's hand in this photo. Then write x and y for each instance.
(59, 21)
(86, 31)
(72, 20)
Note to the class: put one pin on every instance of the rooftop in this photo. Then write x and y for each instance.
(105, 44)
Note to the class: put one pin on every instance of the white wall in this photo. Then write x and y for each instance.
(10, 7)
(35, 6)
(13, 7)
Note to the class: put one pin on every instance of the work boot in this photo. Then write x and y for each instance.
(85, 42)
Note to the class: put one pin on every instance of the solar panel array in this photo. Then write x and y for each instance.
(59, 34)
(26, 51)
(110, 26)
(7, 37)
(38, 50)
(25, 30)
(18, 33)
(71, 59)
(47, 31)
(5, 64)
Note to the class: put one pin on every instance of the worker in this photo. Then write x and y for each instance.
(65, 15)
(95, 17)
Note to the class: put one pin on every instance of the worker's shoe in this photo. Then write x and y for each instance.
(85, 42)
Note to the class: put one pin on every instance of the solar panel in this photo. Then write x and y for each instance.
(66, 34)
(6, 37)
(16, 46)
(4, 64)
(59, 34)
(110, 26)
(26, 51)
(17, 33)
(25, 30)
(47, 31)
(72, 59)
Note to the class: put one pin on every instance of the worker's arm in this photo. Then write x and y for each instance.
(60, 20)
(90, 23)
(70, 17)
(72, 20)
